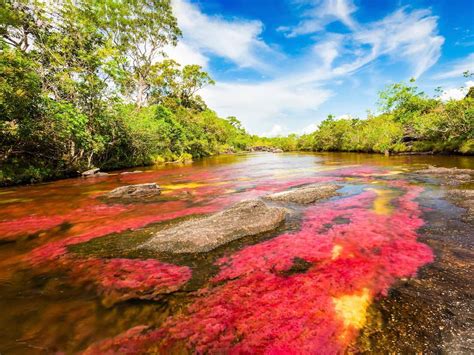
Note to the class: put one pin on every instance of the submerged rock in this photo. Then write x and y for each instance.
(461, 174)
(134, 192)
(306, 194)
(449, 176)
(445, 171)
(465, 199)
(243, 219)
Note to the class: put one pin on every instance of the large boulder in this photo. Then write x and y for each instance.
(134, 192)
(246, 218)
(305, 194)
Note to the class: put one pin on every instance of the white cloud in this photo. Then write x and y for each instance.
(411, 36)
(328, 50)
(298, 89)
(309, 128)
(186, 54)
(275, 131)
(456, 93)
(407, 36)
(344, 117)
(457, 68)
(258, 104)
(321, 13)
(236, 40)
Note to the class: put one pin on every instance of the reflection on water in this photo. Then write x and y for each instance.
(71, 278)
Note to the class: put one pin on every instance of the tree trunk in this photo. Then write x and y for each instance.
(141, 92)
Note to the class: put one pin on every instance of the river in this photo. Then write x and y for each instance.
(381, 267)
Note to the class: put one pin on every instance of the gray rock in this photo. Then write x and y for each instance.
(134, 192)
(449, 176)
(306, 194)
(90, 172)
(434, 170)
(243, 219)
(131, 172)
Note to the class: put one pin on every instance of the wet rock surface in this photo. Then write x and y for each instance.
(266, 149)
(243, 219)
(134, 192)
(465, 199)
(449, 176)
(95, 172)
(306, 194)
(90, 172)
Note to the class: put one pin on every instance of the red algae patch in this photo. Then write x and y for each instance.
(9, 230)
(134, 341)
(256, 305)
(119, 279)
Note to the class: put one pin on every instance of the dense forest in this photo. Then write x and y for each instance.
(88, 84)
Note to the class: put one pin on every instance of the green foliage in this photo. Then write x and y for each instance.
(78, 88)
(410, 121)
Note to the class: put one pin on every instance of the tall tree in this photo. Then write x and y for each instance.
(138, 30)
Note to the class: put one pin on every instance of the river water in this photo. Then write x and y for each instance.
(382, 266)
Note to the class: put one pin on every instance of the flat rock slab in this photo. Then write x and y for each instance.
(134, 192)
(450, 176)
(445, 171)
(246, 218)
(306, 194)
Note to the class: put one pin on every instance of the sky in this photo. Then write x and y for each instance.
(282, 66)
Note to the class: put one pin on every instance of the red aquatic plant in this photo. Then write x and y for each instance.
(261, 303)
(28, 225)
(134, 341)
(120, 279)
(305, 291)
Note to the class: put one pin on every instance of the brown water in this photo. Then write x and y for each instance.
(70, 275)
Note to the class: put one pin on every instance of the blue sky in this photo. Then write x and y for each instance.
(282, 66)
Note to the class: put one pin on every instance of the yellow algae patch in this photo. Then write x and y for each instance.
(389, 173)
(336, 251)
(185, 185)
(382, 201)
(190, 185)
(352, 309)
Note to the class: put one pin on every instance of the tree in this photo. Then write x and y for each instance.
(172, 86)
(138, 30)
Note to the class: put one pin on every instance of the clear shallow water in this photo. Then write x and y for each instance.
(71, 278)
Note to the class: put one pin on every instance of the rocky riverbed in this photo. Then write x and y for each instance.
(266, 252)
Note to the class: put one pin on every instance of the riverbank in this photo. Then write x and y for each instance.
(98, 172)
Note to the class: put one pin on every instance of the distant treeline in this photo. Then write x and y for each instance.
(85, 83)
(409, 121)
